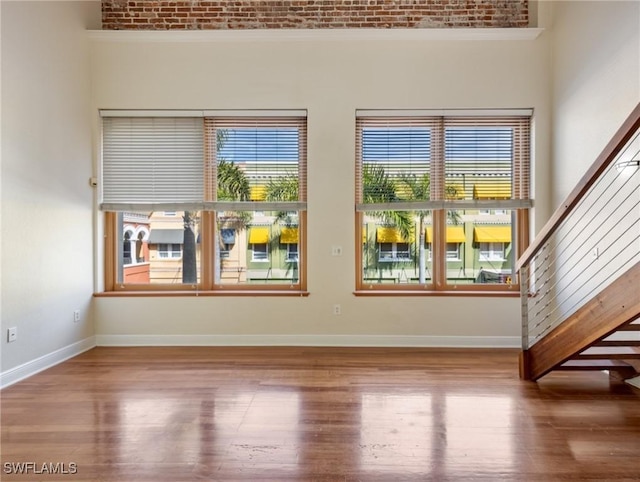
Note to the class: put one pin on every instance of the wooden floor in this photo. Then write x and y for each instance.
(316, 414)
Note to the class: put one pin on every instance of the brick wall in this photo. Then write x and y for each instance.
(311, 14)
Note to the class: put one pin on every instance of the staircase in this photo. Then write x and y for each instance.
(580, 278)
(611, 354)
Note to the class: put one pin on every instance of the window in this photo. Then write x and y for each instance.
(225, 250)
(386, 251)
(453, 252)
(492, 251)
(292, 253)
(454, 186)
(126, 249)
(215, 189)
(394, 252)
(259, 252)
(227, 242)
(169, 251)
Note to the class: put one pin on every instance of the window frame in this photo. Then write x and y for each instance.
(457, 252)
(394, 253)
(502, 251)
(288, 258)
(225, 250)
(209, 237)
(519, 203)
(170, 251)
(254, 259)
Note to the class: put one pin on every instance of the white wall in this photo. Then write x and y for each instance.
(330, 78)
(48, 111)
(47, 259)
(47, 238)
(596, 82)
(595, 86)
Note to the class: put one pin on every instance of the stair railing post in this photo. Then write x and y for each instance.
(525, 369)
(524, 305)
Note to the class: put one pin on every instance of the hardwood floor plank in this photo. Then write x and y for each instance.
(317, 414)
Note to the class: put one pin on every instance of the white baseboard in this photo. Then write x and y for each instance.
(311, 340)
(32, 367)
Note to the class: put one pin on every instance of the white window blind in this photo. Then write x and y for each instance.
(486, 159)
(170, 162)
(408, 163)
(270, 151)
(152, 163)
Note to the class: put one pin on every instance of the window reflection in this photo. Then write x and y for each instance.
(481, 428)
(395, 432)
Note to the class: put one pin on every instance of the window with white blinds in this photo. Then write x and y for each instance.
(270, 152)
(429, 179)
(189, 162)
(483, 160)
(216, 172)
(152, 163)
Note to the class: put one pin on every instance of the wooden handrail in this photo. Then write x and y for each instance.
(606, 157)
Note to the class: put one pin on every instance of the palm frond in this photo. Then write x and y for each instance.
(414, 187)
(378, 187)
(233, 184)
(284, 188)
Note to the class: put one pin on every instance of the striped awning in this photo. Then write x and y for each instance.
(166, 236)
(492, 190)
(492, 234)
(455, 234)
(289, 236)
(389, 235)
(259, 235)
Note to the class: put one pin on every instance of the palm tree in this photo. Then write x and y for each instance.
(189, 265)
(418, 188)
(283, 188)
(233, 185)
(378, 187)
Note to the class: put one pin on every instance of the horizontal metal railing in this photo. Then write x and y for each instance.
(591, 240)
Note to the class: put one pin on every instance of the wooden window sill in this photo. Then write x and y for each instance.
(252, 293)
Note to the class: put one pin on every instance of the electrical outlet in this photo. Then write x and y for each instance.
(336, 250)
(12, 334)
(76, 316)
(337, 310)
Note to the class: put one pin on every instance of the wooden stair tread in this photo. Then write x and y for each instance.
(602, 343)
(630, 327)
(610, 352)
(594, 364)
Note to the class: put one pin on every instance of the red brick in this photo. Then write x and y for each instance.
(275, 14)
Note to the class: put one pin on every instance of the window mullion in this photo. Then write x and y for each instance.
(439, 246)
(437, 161)
(110, 251)
(439, 249)
(207, 240)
